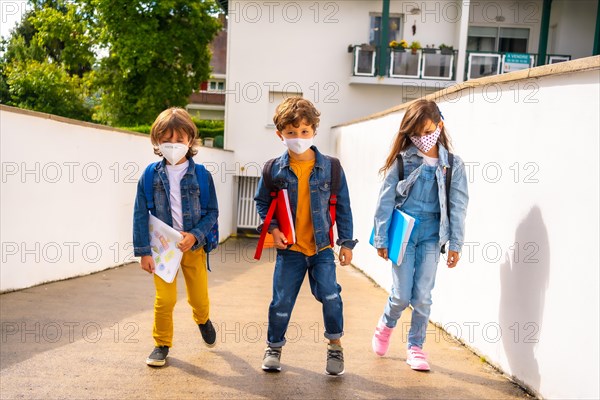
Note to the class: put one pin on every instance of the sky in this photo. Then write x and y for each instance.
(11, 12)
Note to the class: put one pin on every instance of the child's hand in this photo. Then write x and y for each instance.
(345, 256)
(383, 253)
(187, 242)
(453, 258)
(147, 263)
(279, 239)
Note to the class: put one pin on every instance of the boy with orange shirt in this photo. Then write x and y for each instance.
(307, 176)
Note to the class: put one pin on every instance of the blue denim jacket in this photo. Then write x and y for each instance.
(320, 190)
(190, 205)
(394, 193)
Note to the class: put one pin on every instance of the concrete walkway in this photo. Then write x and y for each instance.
(89, 338)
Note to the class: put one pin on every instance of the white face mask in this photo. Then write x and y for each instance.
(298, 146)
(173, 152)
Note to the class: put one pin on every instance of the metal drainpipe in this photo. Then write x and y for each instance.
(383, 38)
(596, 50)
(543, 45)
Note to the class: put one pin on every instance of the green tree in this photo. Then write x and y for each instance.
(47, 87)
(47, 62)
(157, 54)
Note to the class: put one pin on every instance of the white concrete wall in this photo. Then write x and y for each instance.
(67, 196)
(572, 27)
(302, 46)
(516, 14)
(526, 292)
(438, 22)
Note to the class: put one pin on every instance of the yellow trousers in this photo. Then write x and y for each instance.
(193, 265)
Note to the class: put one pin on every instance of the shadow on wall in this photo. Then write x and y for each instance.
(524, 279)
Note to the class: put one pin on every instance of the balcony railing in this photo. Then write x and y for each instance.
(480, 64)
(364, 60)
(420, 64)
(440, 64)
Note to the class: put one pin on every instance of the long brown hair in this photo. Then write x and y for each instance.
(414, 120)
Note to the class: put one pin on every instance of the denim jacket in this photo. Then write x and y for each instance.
(320, 190)
(394, 193)
(190, 205)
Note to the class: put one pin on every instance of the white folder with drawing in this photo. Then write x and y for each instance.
(166, 254)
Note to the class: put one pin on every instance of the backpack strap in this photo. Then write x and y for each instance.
(268, 182)
(336, 183)
(267, 174)
(336, 175)
(400, 166)
(448, 183)
(202, 177)
(148, 182)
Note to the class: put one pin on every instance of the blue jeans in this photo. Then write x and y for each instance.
(290, 269)
(414, 278)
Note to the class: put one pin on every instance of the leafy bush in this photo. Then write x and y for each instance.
(45, 87)
(138, 128)
(209, 128)
(206, 128)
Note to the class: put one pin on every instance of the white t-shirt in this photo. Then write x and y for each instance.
(432, 162)
(176, 173)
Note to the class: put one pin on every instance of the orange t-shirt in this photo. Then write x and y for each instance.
(305, 235)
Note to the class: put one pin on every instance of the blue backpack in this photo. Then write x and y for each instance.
(212, 237)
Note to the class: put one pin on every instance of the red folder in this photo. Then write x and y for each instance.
(280, 207)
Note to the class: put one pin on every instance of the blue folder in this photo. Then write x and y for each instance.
(398, 235)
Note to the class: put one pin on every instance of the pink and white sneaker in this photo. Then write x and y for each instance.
(417, 359)
(381, 339)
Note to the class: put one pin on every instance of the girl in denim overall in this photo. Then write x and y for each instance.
(421, 193)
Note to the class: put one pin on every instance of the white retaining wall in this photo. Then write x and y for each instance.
(67, 195)
(525, 293)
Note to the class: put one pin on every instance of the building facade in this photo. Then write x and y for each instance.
(338, 55)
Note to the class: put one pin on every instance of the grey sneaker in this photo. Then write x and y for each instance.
(335, 359)
(158, 356)
(207, 330)
(271, 359)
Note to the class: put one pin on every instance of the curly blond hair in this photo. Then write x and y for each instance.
(294, 110)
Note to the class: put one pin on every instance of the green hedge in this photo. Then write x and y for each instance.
(206, 128)
(140, 128)
(209, 128)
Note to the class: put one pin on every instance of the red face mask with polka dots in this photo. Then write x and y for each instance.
(426, 142)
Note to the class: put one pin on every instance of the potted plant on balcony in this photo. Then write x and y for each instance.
(445, 49)
(366, 47)
(414, 46)
(398, 46)
(429, 50)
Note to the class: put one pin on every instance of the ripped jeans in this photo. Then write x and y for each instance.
(290, 269)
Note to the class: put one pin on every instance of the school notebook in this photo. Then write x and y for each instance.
(166, 254)
(398, 235)
(280, 207)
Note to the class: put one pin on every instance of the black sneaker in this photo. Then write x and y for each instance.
(158, 356)
(271, 360)
(208, 333)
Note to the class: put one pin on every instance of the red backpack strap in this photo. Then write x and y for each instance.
(265, 227)
(267, 175)
(336, 182)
